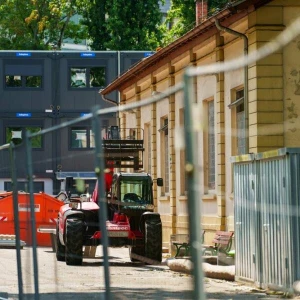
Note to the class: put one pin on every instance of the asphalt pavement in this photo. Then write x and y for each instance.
(127, 280)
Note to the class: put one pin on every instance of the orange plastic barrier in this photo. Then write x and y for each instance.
(46, 210)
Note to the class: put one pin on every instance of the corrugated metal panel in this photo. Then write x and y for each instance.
(267, 211)
(275, 222)
(245, 221)
(294, 211)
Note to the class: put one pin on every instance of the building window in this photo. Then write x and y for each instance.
(38, 186)
(88, 77)
(183, 175)
(82, 138)
(238, 123)
(17, 134)
(23, 75)
(210, 142)
(147, 148)
(165, 154)
(13, 81)
(132, 134)
(209, 146)
(78, 78)
(33, 81)
(240, 120)
(114, 133)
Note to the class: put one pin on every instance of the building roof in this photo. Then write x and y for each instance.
(206, 29)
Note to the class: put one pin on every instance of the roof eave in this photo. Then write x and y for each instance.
(227, 16)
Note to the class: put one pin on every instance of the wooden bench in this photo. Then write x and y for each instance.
(185, 245)
(222, 243)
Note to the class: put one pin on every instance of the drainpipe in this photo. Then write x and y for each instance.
(112, 102)
(246, 110)
(119, 73)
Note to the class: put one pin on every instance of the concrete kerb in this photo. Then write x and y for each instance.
(225, 270)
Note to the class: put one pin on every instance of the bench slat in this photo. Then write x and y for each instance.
(222, 242)
(224, 233)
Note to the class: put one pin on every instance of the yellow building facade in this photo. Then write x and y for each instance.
(249, 110)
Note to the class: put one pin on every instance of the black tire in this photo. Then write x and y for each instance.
(136, 250)
(60, 249)
(153, 240)
(74, 237)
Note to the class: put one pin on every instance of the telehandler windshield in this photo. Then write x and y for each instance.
(135, 191)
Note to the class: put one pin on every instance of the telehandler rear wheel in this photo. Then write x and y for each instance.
(136, 250)
(74, 237)
(153, 240)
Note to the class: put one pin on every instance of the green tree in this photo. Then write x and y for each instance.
(39, 24)
(183, 15)
(215, 5)
(95, 20)
(124, 25)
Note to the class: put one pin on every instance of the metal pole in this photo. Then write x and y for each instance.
(102, 201)
(32, 215)
(16, 217)
(193, 195)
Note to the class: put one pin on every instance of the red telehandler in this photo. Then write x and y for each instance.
(131, 221)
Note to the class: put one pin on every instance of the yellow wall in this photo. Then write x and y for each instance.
(274, 108)
(291, 57)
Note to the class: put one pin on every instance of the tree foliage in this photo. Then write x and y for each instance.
(39, 24)
(124, 25)
(109, 24)
(183, 15)
(215, 5)
(95, 20)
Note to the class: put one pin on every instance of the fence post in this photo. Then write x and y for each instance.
(16, 217)
(193, 184)
(102, 201)
(32, 214)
